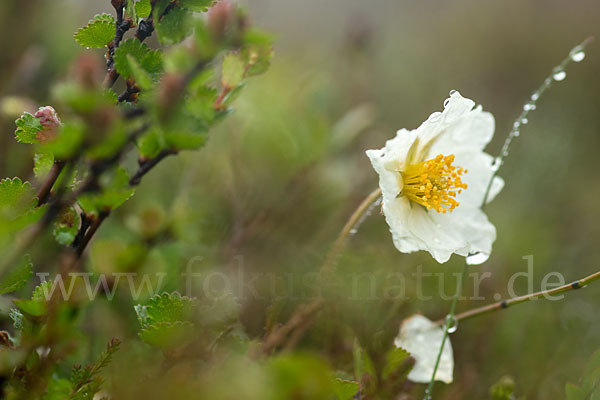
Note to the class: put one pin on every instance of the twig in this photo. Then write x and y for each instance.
(501, 305)
(121, 27)
(147, 165)
(44, 191)
(91, 231)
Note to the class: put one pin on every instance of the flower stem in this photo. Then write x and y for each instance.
(557, 72)
(355, 219)
(523, 299)
(450, 320)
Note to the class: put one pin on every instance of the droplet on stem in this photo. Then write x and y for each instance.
(559, 75)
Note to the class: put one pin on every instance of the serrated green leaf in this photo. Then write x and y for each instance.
(232, 71)
(142, 78)
(27, 128)
(168, 335)
(257, 52)
(196, 5)
(149, 60)
(17, 277)
(98, 33)
(16, 198)
(17, 317)
(66, 226)
(166, 307)
(175, 26)
(394, 360)
(38, 304)
(42, 164)
(345, 390)
(143, 8)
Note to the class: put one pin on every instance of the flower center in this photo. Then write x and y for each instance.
(434, 183)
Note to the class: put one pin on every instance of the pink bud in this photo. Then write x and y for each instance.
(50, 121)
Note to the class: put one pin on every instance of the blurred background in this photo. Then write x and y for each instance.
(276, 182)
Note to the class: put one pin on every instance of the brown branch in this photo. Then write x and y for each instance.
(147, 165)
(44, 191)
(91, 232)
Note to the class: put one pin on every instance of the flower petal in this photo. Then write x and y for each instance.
(422, 339)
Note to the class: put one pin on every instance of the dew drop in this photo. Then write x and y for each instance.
(451, 324)
(353, 231)
(529, 107)
(516, 125)
(477, 258)
(524, 121)
(535, 96)
(516, 133)
(559, 75)
(453, 92)
(577, 54)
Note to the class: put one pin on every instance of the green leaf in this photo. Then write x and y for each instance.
(16, 198)
(257, 52)
(58, 389)
(66, 226)
(574, 392)
(27, 128)
(504, 389)
(42, 164)
(232, 71)
(169, 335)
(143, 8)
(17, 277)
(142, 78)
(17, 317)
(166, 307)
(175, 26)
(345, 390)
(115, 190)
(149, 60)
(67, 143)
(38, 304)
(196, 5)
(130, 9)
(394, 360)
(98, 33)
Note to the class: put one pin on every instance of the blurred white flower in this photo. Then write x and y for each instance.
(433, 180)
(422, 339)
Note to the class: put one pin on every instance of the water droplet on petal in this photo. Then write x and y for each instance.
(453, 92)
(559, 75)
(477, 258)
(451, 324)
(446, 102)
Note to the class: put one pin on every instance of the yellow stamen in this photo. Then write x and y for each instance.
(434, 183)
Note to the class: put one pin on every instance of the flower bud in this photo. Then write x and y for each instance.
(50, 121)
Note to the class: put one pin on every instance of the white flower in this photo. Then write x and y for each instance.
(433, 180)
(422, 339)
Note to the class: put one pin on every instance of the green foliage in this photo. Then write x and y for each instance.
(42, 163)
(344, 389)
(67, 226)
(17, 317)
(27, 128)
(504, 389)
(114, 191)
(16, 198)
(143, 8)
(258, 52)
(233, 70)
(67, 143)
(130, 9)
(98, 33)
(148, 60)
(175, 26)
(85, 382)
(196, 5)
(165, 320)
(38, 304)
(394, 360)
(589, 385)
(17, 277)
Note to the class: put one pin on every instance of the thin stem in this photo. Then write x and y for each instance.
(501, 305)
(450, 320)
(146, 166)
(91, 232)
(329, 265)
(532, 105)
(48, 184)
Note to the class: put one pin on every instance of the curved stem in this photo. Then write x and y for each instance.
(355, 219)
(450, 319)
